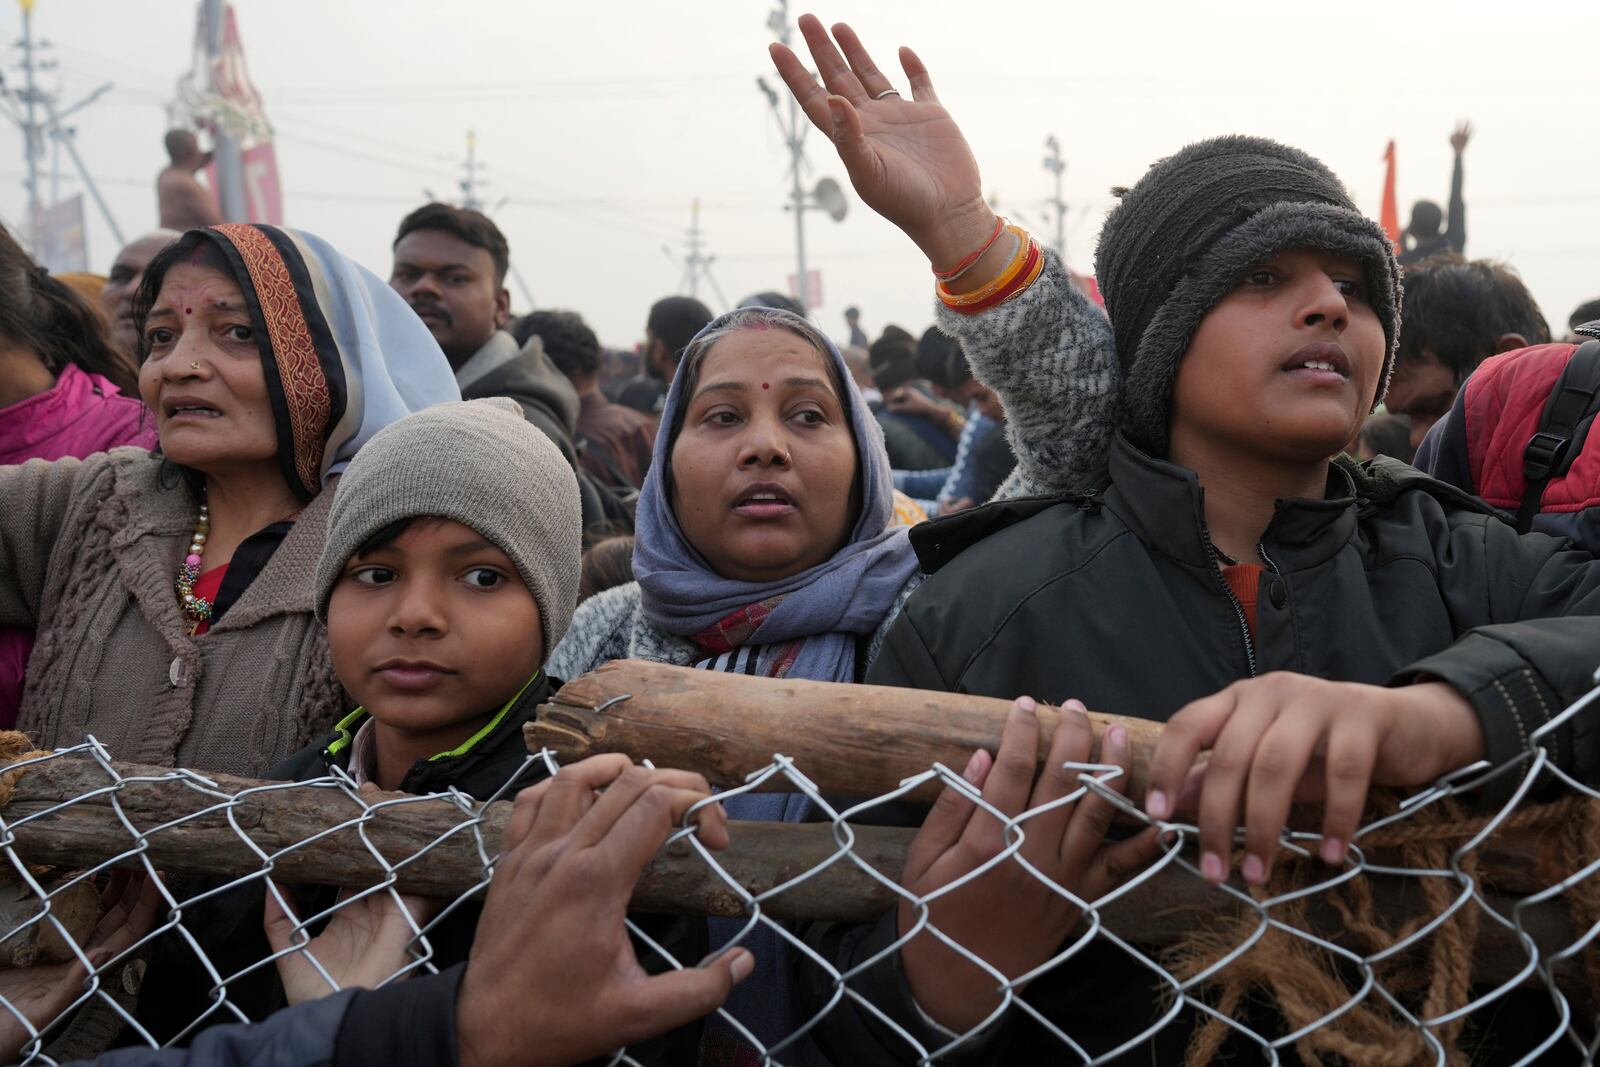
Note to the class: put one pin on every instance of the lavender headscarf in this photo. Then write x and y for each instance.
(830, 605)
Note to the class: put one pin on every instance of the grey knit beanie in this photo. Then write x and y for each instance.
(1184, 235)
(481, 464)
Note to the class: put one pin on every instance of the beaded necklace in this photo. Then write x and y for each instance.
(197, 609)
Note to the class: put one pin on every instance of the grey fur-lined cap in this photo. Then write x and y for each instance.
(482, 464)
(1183, 236)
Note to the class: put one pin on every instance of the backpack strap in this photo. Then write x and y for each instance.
(1549, 451)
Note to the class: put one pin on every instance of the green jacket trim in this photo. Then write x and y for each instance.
(346, 727)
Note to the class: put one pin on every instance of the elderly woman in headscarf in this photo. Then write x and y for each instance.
(171, 593)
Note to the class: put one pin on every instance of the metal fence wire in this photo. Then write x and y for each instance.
(1449, 911)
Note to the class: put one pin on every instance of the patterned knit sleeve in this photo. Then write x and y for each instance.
(598, 633)
(1049, 353)
(38, 498)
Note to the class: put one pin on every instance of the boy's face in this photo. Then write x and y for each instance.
(434, 629)
(1285, 367)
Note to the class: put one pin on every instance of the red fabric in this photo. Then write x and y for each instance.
(1389, 213)
(1505, 399)
(736, 629)
(206, 587)
(1244, 579)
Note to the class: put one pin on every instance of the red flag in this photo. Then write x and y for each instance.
(1389, 214)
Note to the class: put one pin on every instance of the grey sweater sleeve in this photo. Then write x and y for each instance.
(38, 496)
(1049, 354)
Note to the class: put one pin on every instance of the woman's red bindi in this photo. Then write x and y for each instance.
(764, 385)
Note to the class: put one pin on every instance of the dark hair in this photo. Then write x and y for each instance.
(607, 564)
(1457, 309)
(893, 360)
(675, 320)
(193, 247)
(1388, 435)
(1426, 218)
(771, 298)
(384, 536)
(567, 339)
(935, 349)
(473, 227)
(57, 324)
(1588, 311)
(178, 143)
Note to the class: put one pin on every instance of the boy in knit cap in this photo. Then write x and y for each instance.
(1401, 631)
(451, 568)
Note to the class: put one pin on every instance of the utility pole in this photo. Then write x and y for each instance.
(1057, 166)
(24, 108)
(31, 133)
(469, 183)
(794, 135)
(696, 264)
(226, 150)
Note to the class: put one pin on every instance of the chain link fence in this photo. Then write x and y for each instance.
(1453, 922)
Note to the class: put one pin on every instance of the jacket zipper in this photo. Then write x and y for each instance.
(1233, 602)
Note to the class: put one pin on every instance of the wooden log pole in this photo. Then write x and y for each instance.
(68, 812)
(851, 740)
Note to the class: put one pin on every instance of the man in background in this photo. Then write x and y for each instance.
(1422, 235)
(852, 319)
(450, 265)
(127, 271)
(672, 324)
(614, 442)
(183, 203)
(1455, 314)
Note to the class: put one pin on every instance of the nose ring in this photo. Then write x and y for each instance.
(194, 366)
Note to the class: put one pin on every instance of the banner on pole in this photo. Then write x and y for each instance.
(263, 196)
(62, 245)
(812, 297)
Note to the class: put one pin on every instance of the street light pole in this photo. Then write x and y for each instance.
(1057, 166)
(794, 134)
(32, 142)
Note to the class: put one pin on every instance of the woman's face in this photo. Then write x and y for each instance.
(1285, 366)
(764, 466)
(203, 378)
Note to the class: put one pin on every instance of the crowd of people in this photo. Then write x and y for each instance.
(268, 514)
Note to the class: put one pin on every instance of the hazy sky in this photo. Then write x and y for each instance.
(600, 123)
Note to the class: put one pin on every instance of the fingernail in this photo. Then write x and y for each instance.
(973, 763)
(1075, 705)
(836, 111)
(1254, 870)
(99, 958)
(1027, 704)
(743, 964)
(1155, 802)
(1212, 868)
(1118, 737)
(1332, 850)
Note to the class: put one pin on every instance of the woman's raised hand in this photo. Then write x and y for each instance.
(906, 158)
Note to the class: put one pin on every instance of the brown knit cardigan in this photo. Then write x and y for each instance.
(88, 553)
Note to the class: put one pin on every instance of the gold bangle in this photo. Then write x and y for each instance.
(1007, 275)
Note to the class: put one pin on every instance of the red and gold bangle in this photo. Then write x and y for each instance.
(1007, 274)
(1018, 274)
(966, 264)
(1026, 277)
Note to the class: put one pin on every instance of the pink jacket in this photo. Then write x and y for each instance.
(80, 415)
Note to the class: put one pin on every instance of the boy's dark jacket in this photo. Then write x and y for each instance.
(176, 989)
(1116, 600)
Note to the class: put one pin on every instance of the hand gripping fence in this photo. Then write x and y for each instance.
(1457, 909)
